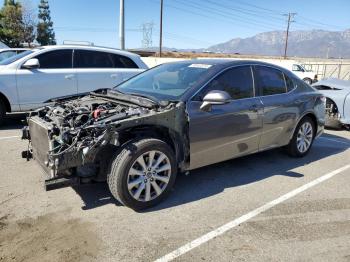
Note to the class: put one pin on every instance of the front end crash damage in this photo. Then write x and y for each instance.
(76, 139)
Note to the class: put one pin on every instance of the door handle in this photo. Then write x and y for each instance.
(69, 77)
(114, 76)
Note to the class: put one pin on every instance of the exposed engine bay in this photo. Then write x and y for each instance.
(83, 122)
(69, 137)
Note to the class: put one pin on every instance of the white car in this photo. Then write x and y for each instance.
(9, 52)
(31, 78)
(300, 71)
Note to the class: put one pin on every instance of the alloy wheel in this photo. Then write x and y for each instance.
(149, 176)
(304, 137)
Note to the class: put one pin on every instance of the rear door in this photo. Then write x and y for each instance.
(228, 130)
(55, 77)
(96, 69)
(280, 102)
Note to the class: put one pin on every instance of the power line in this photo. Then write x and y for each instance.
(221, 15)
(225, 13)
(252, 13)
(313, 22)
(261, 8)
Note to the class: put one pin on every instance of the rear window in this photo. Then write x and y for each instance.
(97, 59)
(270, 81)
(289, 83)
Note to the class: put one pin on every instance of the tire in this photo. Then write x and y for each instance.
(307, 80)
(127, 180)
(2, 112)
(298, 151)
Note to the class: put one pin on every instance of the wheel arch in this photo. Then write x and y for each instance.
(4, 99)
(306, 114)
(171, 137)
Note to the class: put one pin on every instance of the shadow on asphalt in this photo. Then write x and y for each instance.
(13, 121)
(208, 181)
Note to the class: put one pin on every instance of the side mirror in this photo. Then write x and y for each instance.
(31, 64)
(215, 97)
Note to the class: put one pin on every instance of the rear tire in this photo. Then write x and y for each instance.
(2, 112)
(136, 179)
(303, 137)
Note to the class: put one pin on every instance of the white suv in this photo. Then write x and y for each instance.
(33, 77)
(300, 71)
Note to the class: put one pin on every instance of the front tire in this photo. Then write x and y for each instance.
(302, 139)
(2, 112)
(142, 173)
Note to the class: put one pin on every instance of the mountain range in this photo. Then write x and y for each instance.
(313, 43)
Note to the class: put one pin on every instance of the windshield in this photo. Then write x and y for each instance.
(6, 54)
(165, 82)
(15, 58)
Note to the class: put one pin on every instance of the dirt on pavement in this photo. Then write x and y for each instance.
(47, 238)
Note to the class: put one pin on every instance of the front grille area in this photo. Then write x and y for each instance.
(40, 141)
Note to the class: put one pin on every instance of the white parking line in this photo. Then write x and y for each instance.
(8, 137)
(230, 225)
(335, 140)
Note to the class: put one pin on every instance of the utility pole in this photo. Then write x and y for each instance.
(161, 29)
(121, 25)
(290, 17)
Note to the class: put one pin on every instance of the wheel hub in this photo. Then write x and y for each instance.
(149, 176)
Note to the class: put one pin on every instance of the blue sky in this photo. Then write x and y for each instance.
(190, 23)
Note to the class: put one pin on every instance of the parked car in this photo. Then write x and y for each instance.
(29, 79)
(9, 52)
(3, 46)
(300, 71)
(337, 93)
(173, 118)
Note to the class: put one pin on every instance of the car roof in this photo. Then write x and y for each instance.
(88, 47)
(221, 63)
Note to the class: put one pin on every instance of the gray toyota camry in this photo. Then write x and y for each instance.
(170, 119)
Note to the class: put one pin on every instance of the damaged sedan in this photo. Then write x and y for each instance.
(171, 119)
(337, 93)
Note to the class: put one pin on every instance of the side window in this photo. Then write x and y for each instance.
(289, 83)
(270, 81)
(237, 82)
(92, 59)
(56, 59)
(298, 68)
(123, 62)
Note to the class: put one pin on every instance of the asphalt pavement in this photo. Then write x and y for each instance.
(263, 207)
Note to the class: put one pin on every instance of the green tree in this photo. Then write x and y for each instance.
(29, 23)
(45, 32)
(11, 23)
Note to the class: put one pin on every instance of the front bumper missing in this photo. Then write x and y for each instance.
(37, 132)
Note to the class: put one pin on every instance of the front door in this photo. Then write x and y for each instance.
(54, 78)
(229, 130)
